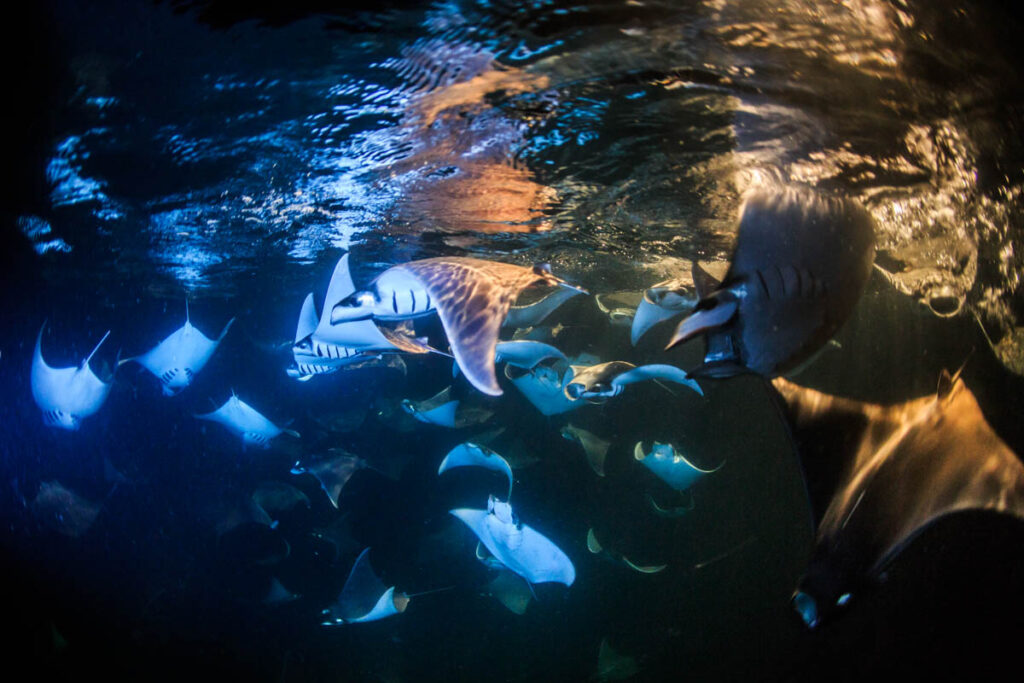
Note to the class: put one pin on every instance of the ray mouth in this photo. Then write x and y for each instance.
(945, 305)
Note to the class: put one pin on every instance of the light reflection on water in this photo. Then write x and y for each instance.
(638, 133)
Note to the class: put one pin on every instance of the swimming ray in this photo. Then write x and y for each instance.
(244, 421)
(595, 547)
(67, 395)
(364, 597)
(325, 348)
(595, 448)
(511, 590)
(225, 511)
(620, 307)
(643, 568)
(471, 455)
(437, 410)
(358, 334)
(471, 296)
(333, 473)
(443, 411)
(613, 666)
(598, 383)
(670, 466)
(312, 356)
(277, 497)
(800, 264)
(178, 359)
(522, 353)
(661, 302)
(669, 512)
(64, 511)
(526, 354)
(516, 545)
(533, 314)
(277, 594)
(879, 474)
(544, 386)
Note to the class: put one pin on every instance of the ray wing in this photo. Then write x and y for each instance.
(363, 592)
(534, 314)
(340, 286)
(669, 373)
(185, 347)
(471, 455)
(49, 383)
(76, 390)
(525, 353)
(224, 415)
(307, 319)
(533, 556)
(472, 297)
(879, 475)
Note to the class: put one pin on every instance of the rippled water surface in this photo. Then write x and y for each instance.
(230, 154)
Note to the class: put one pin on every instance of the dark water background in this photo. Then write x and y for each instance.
(230, 153)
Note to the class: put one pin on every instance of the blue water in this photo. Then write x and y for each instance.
(230, 154)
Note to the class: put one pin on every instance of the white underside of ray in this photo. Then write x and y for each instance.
(244, 421)
(363, 597)
(307, 319)
(385, 607)
(185, 347)
(442, 416)
(647, 316)
(668, 373)
(471, 455)
(670, 466)
(545, 389)
(526, 353)
(304, 350)
(178, 359)
(401, 295)
(523, 353)
(69, 394)
(519, 547)
(356, 334)
(535, 313)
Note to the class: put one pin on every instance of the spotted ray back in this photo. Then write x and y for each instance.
(472, 296)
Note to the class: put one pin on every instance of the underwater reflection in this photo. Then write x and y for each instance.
(463, 173)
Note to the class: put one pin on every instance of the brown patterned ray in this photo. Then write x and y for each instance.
(472, 296)
(877, 475)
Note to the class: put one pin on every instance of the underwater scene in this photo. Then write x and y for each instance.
(500, 340)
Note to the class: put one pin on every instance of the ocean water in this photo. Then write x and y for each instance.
(228, 155)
